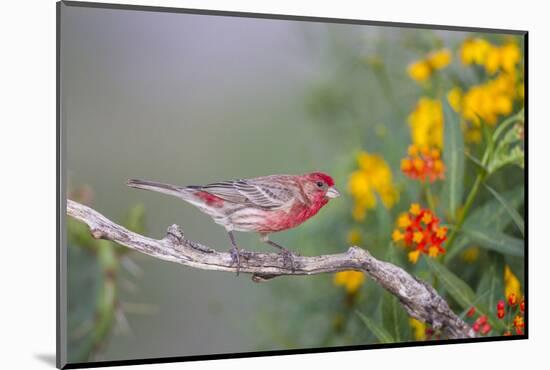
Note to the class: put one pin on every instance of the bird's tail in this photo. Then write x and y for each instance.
(176, 191)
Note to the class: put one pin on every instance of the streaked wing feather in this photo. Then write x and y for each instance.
(264, 194)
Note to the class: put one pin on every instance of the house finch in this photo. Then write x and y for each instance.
(263, 204)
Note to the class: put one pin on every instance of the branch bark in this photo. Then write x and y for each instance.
(418, 298)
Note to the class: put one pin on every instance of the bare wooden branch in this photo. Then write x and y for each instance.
(419, 299)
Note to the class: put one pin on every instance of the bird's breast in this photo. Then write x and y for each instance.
(280, 220)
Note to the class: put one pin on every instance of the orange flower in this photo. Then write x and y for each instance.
(423, 164)
(419, 230)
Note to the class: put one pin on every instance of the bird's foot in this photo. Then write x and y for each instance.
(235, 258)
(288, 259)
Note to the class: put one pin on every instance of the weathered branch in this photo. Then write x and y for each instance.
(419, 299)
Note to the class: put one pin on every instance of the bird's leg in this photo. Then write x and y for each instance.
(288, 256)
(235, 257)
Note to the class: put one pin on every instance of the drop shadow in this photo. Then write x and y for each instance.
(47, 358)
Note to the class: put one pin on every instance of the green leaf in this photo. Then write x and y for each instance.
(461, 291)
(392, 315)
(453, 156)
(494, 240)
(475, 161)
(457, 288)
(490, 216)
(378, 330)
(516, 217)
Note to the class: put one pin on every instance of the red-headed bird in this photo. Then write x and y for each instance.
(263, 204)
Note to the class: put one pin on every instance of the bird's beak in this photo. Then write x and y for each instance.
(332, 192)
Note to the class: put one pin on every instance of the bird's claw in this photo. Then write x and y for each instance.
(235, 258)
(288, 259)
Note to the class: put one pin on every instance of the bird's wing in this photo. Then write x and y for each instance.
(263, 194)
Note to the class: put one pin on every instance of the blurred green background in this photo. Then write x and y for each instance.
(190, 99)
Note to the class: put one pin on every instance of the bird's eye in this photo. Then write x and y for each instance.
(320, 184)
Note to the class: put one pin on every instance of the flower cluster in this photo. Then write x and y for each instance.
(422, 69)
(515, 310)
(350, 280)
(373, 177)
(426, 123)
(487, 101)
(423, 164)
(493, 99)
(419, 229)
(492, 57)
(481, 325)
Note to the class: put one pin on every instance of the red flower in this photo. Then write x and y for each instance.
(422, 164)
(512, 299)
(522, 306)
(485, 328)
(419, 229)
(500, 305)
(518, 322)
(482, 320)
(471, 312)
(500, 314)
(519, 331)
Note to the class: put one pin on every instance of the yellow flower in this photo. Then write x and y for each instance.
(397, 235)
(510, 56)
(351, 280)
(433, 251)
(354, 236)
(413, 256)
(415, 209)
(417, 236)
(441, 232)
(406, 164)
(511, 283)
(492, 60)
(419, 71)
(471, 254)
(474, 51)
(373, 177)
(412, 150)
(422, 69)
(426, 123)
(490, 100)
(403, 221)
(492, 57)
(439, 59)
(454, 97)
(427, 218)
(419, 329)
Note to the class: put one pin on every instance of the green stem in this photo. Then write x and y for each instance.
(429, 196)
(469, 201)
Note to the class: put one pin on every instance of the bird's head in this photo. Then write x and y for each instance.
(319, 187)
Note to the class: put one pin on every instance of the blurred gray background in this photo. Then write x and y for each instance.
(185, 99)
